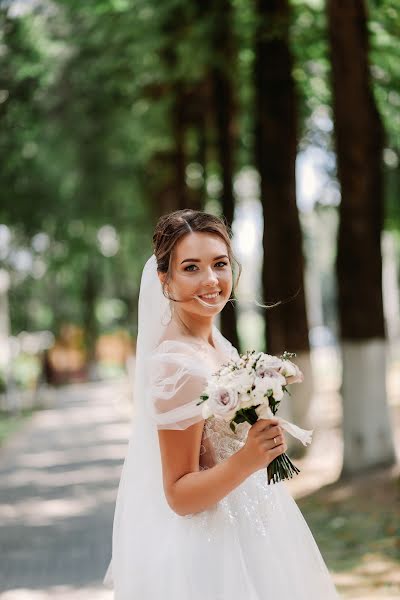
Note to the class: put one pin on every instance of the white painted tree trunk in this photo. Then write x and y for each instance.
(367, 433)
(390, 285)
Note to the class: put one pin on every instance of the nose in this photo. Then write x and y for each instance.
(211, 278)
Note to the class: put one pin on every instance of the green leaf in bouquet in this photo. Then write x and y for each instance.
(203, 398)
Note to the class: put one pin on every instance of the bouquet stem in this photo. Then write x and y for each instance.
(281, 468)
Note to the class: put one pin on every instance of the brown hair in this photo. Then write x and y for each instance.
(174, 226)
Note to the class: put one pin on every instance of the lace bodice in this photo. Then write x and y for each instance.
(253, 502)
(219, 441)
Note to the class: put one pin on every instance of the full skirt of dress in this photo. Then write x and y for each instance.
(254, 544)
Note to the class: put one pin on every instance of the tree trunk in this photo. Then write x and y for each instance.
(224, 113)
(179, 135)
(168, 168)
(89, 297)
(275, 154)
(368, 440)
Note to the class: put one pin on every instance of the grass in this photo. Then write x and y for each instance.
(357, 528)
(10, 423)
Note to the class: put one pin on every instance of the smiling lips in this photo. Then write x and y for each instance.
(209, 298)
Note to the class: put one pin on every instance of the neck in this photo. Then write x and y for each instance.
(193, 325)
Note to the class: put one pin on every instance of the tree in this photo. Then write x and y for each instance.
(275, 157)
(359, 143)
(223, 71)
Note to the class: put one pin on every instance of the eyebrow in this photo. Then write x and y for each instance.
(198, 259)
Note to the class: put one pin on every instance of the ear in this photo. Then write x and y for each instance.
(162, 277)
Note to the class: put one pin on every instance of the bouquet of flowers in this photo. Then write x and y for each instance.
(251, 387)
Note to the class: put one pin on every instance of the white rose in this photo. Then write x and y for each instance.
(291, 372)
(225, 371)
(223, 402)
(264, 412)
(246, 400)
(277, 391)
(273, 381)
(267, 361)
(288, 368)
(243, 381)
(225, 381)
(268, 372)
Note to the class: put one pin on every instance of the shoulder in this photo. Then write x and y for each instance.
(169, 349)
(176, 356)
(175, 379)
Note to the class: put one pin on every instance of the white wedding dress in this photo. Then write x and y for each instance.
(254, 544)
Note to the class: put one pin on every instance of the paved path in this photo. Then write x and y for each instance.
(58, 482)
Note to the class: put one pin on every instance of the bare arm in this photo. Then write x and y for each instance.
(189, 490)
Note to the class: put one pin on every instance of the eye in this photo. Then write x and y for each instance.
(221, 264)
(188, 267)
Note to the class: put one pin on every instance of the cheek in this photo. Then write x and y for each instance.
(186, 284)
(226, 280)
(190, 281)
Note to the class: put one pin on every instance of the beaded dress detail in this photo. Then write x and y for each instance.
(257, 507)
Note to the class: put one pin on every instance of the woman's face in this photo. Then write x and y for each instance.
(200, 268)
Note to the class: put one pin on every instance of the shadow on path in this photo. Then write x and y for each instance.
(59, 479)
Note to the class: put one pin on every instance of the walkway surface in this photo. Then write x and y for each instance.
(59, 478)
(58, 483)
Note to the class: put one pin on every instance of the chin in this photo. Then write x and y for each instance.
(211, 310)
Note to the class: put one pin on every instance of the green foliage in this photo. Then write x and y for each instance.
(73, 164)
(89, 99)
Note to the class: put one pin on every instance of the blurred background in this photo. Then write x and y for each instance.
(284, 117)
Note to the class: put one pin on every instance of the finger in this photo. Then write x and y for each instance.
(276, 441)
(262, 424)
(274, 431)
(272, 444)
(277, 451)
(270, 432)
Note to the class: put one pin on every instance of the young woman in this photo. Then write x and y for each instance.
(195, 518)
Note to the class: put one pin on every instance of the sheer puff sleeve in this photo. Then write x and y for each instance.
(176, 378)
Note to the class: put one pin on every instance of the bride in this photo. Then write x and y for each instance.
(195, 518)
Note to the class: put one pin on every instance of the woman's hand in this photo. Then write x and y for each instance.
(261, 448)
